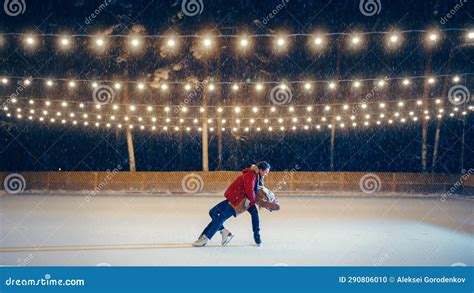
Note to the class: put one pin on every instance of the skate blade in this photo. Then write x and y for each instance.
(228, 239)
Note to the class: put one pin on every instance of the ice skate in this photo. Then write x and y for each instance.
(257, 239)
(226, 236)
(202, 241)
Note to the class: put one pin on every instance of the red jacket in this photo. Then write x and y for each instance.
(242, 187)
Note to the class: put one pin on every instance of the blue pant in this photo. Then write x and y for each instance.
(223, 211)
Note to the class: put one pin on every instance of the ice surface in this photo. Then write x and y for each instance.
(130, 229)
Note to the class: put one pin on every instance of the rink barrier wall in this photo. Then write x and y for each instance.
(291, 182)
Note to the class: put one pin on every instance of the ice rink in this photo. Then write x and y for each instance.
(135, 229)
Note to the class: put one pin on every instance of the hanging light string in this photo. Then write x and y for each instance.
(130, 117)
(208, 40)
(50, 82)
(151, 36)
(364, 103)
(330, 112)
(237, 126)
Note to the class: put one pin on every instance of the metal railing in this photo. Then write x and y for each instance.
(290, 182)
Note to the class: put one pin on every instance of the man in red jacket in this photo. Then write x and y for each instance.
(240, 197)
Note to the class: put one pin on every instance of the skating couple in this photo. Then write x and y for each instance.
(241, 196)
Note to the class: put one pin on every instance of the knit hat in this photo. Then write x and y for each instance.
(263, 165)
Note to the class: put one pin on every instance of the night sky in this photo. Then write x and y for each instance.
(34, 146)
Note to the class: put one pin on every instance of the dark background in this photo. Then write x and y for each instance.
(30, 146)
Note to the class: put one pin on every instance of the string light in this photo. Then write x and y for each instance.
(356, 40)
(244, 42)
(280, 42)
(470, 35)
(30, 41)
(318, 41)
(433, 37)
(394, 39)
(207, 42)
(171, 42)
(100, 42)
(135, 42)
(65, 42)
